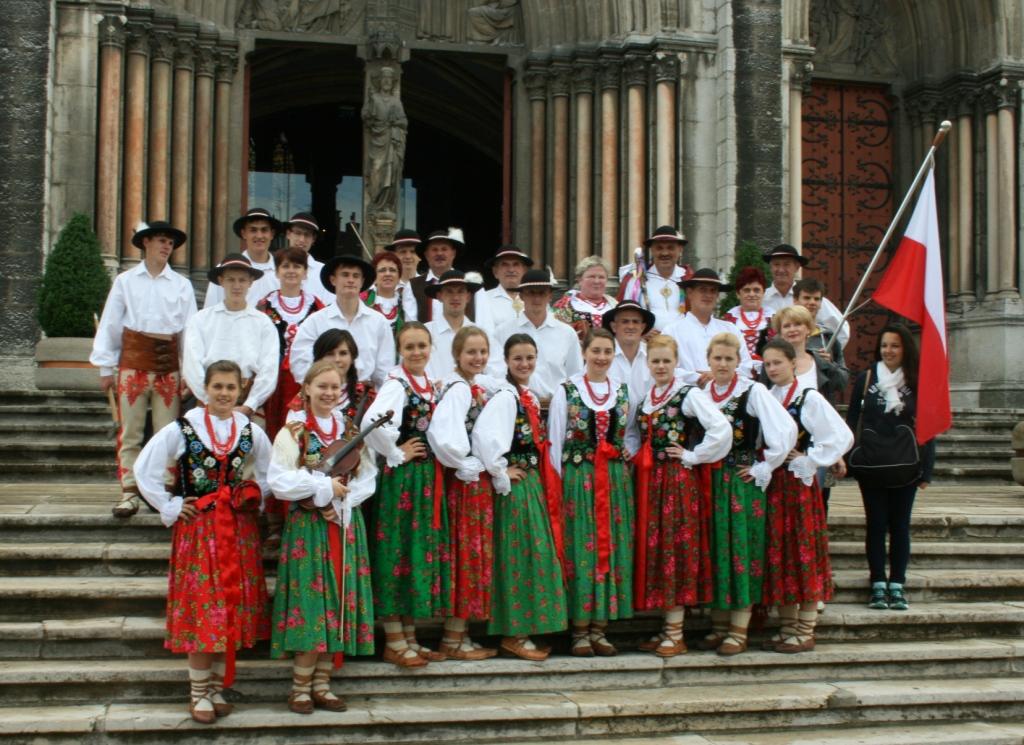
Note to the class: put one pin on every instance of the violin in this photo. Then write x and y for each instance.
(341, 457)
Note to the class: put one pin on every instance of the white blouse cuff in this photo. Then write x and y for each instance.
(324, 491)
(501, 483)
(804, 469)
(470, 470)
(688, 458)
(762, 474)
(171, 510)
(396, 457)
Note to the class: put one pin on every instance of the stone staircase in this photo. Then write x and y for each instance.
(81, 658)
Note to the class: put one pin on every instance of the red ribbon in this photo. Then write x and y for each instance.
(602, 495)
(549, 476)
(438, 493)
(337, 559)
(644, 462)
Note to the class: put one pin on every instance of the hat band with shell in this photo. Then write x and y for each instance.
(305, 223)
(667, 237)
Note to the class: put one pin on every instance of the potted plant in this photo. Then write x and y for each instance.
(74, 287)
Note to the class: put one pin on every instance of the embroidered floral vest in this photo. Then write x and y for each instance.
(199, 472)
(564, 310)
(523, 452)
(266, 307)
(803, 437)
(581, 432)
(477, 400)
(415, 416)
(670, 426)
(746, 431)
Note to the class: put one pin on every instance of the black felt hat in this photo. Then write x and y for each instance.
(158, 227)
(404, 237)
(369, 273)
(233, 261)
(784, 250)
(453, 277)
(535, 279)
(609, 315)
(509, 252)
(305, 220)
(451, 235)
(256, 213)
(666, 233)
(705, 277)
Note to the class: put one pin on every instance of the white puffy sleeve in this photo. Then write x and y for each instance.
(385, 356)
(192, 367)
(633, 440)
(384, 439)
(777, 428)
(265, 379)
(409, 303)
(557, 412)
(492, 437)
(106, 346)
(717, 439)
(360, 488)
(447, 433)
(830, 437)
(162, 450)
(289, 481)
(258, 461)
(300, 355)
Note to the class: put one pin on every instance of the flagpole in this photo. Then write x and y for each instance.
(926, 165)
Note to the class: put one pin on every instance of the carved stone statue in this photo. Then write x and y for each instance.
(493, 22)
(385, 127)
(323, 16)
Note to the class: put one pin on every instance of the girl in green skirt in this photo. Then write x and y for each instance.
(509, 439)
(587, 426)
(323, 598)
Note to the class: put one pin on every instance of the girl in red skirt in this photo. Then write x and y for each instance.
(798, 573)
(468, 491)
(217, 596)
(673, 566)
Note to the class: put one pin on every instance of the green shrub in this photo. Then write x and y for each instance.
(75, 282)
(747, 254)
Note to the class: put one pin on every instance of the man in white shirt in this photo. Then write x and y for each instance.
(558, 348)
(658, 290)
(404, 245)
(508, 266)
(234, 330)
(785, 261)
(257, 229)
(440, 252)
(302, 232)
(347, 276)
(137, 347)
(695, 330)
(454, 292)
(630, 322)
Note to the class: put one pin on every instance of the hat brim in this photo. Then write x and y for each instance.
(534, 286)
(178, 236)
(214, 274)
(432, 291)
(802, 260)
(608, 317)
(716, 283)
(240, 223)
(404, 243)
(508, 255)
(369, 273)
(302, 225)
(421, 249)
(648, 242)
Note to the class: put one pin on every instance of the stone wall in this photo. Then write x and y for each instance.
(24, 93)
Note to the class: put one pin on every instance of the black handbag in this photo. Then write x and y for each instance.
(887, 457)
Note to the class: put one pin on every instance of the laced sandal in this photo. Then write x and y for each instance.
(200, 705)
(581, 646)
(599, 643)
(128, 505)
(520, 647)
(321, 693)
(734, 643)
(802, 638)
(787, 628)
(300, 700)
(719, 630)
(674, 643)
(202, 710)
(653, 643)
(220, 706)
(427, 654)
(404, 655)
(300, 703)
(464, 649)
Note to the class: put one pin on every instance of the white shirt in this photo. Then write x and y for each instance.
(635, 374)
(830, 437)
(559, 408)
(493, 433)
(168, 445)
(268, 283)
(558, 352)
(809, 379)
(391, 397)
(481, 308)
(291, 483)
(370, 330)
(663, 297)
(828, 314)
(441, 363)
(693, 338)
(246, 337)
(447, 432)
(387, 304)
(778, 430)
(141, 302)
(501, 307)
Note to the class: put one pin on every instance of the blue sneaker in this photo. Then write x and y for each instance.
(879, 597)
(897, 600)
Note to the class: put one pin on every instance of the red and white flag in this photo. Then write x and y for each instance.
(912, 287)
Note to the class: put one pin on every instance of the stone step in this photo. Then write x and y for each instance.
(938, 585)
(977, 527)
(54, 448)
(27, 430)
(77, 636)
(974, 452)
(925, 555)
(570, 715)
(90, 471)
(163, 679)
(965, 470)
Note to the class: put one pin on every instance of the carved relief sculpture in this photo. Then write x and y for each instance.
(494, 22)
(313, 16)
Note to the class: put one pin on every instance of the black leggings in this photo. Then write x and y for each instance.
(887, 511)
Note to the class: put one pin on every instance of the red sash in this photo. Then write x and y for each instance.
(335, 538)
(438, 493)
(549, 476)
(644, 462)
(603, 505)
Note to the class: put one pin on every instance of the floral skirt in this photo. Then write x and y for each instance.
(737, 540)
(471, 519)
(198, 616)
(797, 569)
(608, 596)
(677, 567)
(306, 606)
(410, 559)
(529, 591)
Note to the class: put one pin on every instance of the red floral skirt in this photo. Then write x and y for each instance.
(797, 566)
(677, 567)
(471, 522)
(197, 612)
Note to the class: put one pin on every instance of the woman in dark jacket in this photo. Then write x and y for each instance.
(887, 399)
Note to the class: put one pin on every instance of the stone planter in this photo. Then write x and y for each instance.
(62, 364)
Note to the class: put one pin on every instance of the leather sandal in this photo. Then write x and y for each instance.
(734, 643)
(516, 647)
(202, 716)
(581, 646)
(795, 644)
(300, 707)
(652, 644)
(221, 708)
(468, 655)
(407, 657)
(128, 505)
(600, 644)
(335, 703)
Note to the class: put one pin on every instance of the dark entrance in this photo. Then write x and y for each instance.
(306, 141)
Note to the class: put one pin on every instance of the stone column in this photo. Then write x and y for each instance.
(108, 146)
(202, 155)
(799, 76)
(162, 54)
(136, 69)
(227, 63)
(536, 89)
(1007, 186)
(181, 150)
(965, 187)
(666, 75)
(636, 150)
(991, 204)
(583, 83)
(952, 154)
(559, 87)
(610, 80)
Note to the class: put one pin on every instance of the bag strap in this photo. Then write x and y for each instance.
(863, 401)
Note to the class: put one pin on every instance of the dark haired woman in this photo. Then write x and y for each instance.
(884, 397)
(587, 429)
(389, 295)
(751, 317)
